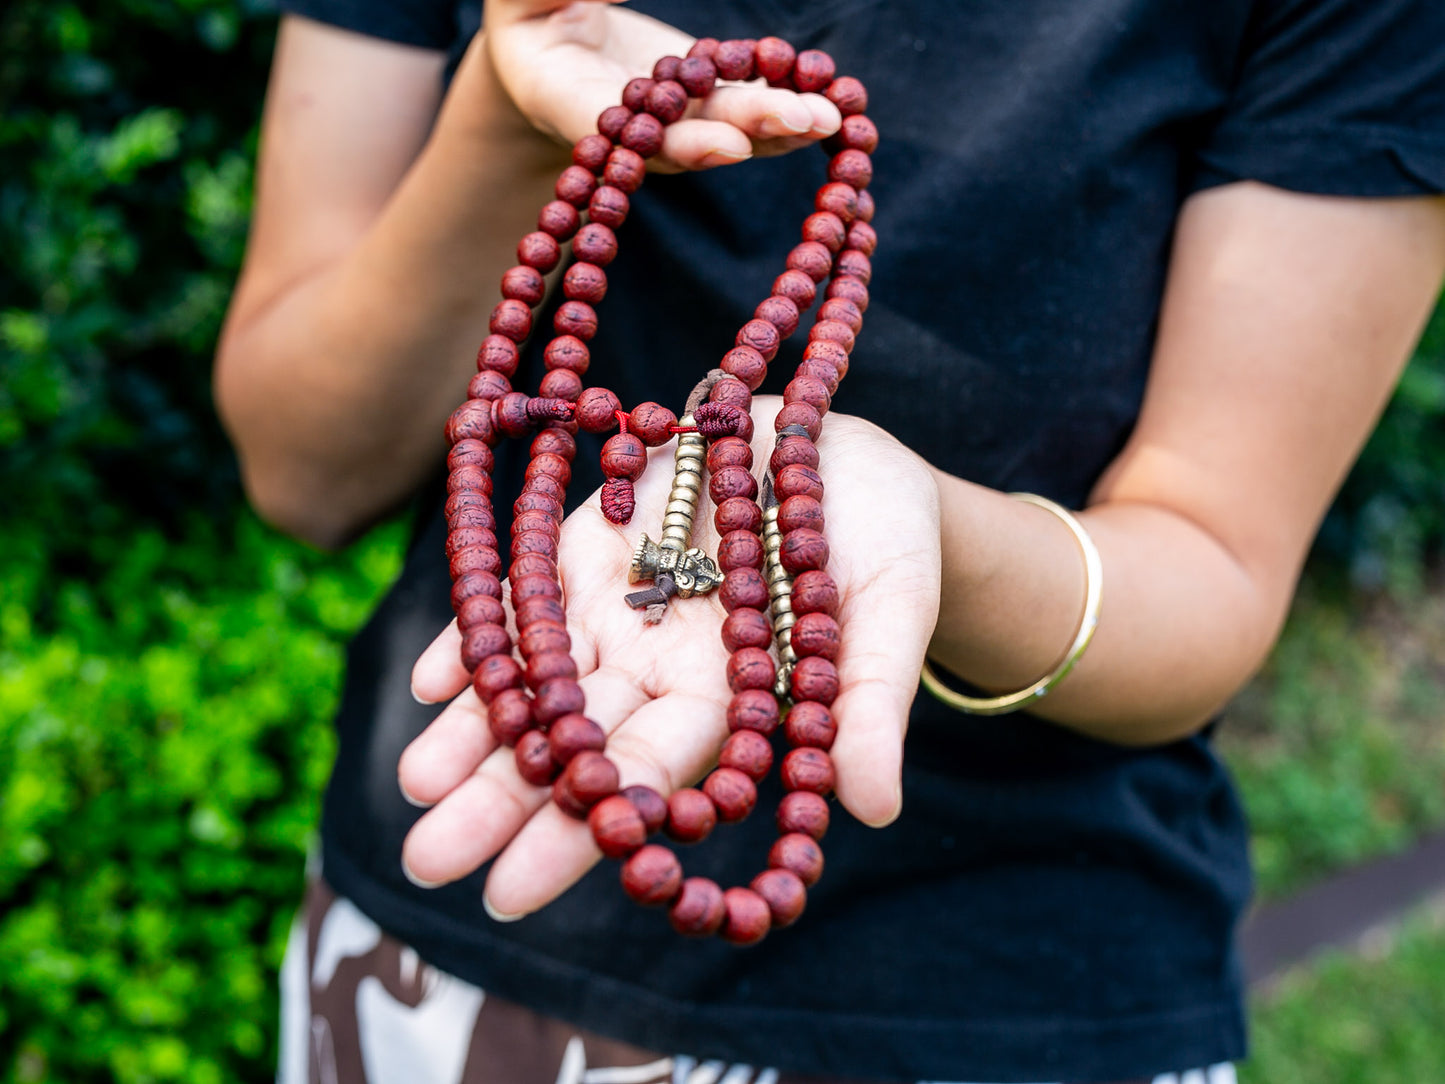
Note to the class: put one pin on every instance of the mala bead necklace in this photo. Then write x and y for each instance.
(771, 566)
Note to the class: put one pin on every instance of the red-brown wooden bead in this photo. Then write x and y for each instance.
(612, 120)
(567, 352)
(512, 319)
(734, 59)
(810, 723)
(509, 414)
(813, 71)
(690, 815)
(848, 94)
(826, 228)
(729, 452)
(625, 170)
(465, 498)
(739, 549)
(820, 370)
(797, 287)
(560, 384)
(624, 456)
(753, 709)
(698, 75)
(704, 47)
(534, 542)
(803, 550)
(666, 101)
(800, 510)
(488, 385)
(469, 479)
(730, 391)
(509, 715)
(535, 585)
(812, 259)
(666, 68)
(529, 501)
(574, 733)
(749, 752)
(746, 628)
(597, 410)
(851, 167)
(595, 244)
(748, 918)
(650, 806)
(652, 876)
(839, 198)
(548, 666)
(642, 134)
(472, 421)
(804, 812)
(498, 354)
(863, 238)
(834, 353)
(797, 480)
(482, 642)
(750, 668)
(591, 151)
(762, 336)
(524, 284)
(843, 311)
(731, 482)
(588, 778)
(790, 450)
(780, 312)
(782, 890)
(809, 769)
(534, 759)
(832, 331)
(634, 94)
(543, 486)
(699, 910)
(865, 206)
(732, 793)
(475, 583)
(815, 678)
(773, 59)
(608, 206)
(560, 218)
(810, 390)
(803, 414)
(854, 289)
(853, 263)
(652, 422)
(539, 250)
(475, 559)
(575, 318)
(817, 634)
(540, 608)
(745, 587)
(494, 674)
(556, 698)
(585, 282)
(471, 517)
(799, 853)
(469, 536)
(552, 464)
(856, 132)
(617, 827)
(737, 514)
(542, 637)
(575, 185)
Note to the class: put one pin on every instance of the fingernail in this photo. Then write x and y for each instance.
(724, 158)
(884, 822)
(420, 699)
(414, 879)
(498, 916)
(790, 126)
(414, 801)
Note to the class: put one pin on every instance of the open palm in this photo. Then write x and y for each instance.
(660, 691)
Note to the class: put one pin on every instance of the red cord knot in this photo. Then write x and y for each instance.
(541, 409)
(716, 420)
(622, 419)
(618, 500)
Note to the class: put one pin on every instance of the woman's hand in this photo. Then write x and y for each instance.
(660, 691)
(563, 63)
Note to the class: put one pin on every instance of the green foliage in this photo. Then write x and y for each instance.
(1337, 747)
(164, 737)
(1365, 1019)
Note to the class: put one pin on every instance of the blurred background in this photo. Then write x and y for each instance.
(168, 665)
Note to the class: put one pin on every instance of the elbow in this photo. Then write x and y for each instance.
(283, 504)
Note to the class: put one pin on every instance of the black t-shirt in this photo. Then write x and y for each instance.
(1047, 906)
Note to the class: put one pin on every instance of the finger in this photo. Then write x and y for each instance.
(564, 12)
(438, 674)
(665, 744)
(762, 112)
(481, 813)
(447, 751)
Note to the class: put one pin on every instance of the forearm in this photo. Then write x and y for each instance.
(335, 386)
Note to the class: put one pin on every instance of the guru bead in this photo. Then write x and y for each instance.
(652, 876)
(624, 456)
(596, 410)
(652, 422)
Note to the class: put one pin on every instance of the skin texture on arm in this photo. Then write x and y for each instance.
(382, 228)
(1286, 321)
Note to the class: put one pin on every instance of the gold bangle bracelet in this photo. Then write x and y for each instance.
(1093, 591)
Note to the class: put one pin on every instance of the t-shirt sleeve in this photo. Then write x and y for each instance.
(1336, 97)
(431, 24)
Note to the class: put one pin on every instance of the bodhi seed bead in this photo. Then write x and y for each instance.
(596, 410)
(852, 168)
(753, 709)
(549, 666)
(512, 319)
(807, 389)
(857, 132)
(652, 876)
(608, 207)
(738, 514)
(557, 697)
(812, 259)
(667, 101)
(797, 480)
(536, 584)
(617, 827)
(699, 910)
(471, 536)
(841, 199)
(534, 759)
(745, 587)
(690, 815)
(625, 169)
(642, 134)
(543, 637)
(863, 237)
(762, 336)
(853, 263)
(797, 287)
(799, 414)
(588, 778)
(698, 75)
(524, 284)
(746, 628)
(499, 354)
(539, 250)
(560, 384)
(826, 229)
(482, 642)
(590, 152)
(704, 47)
(650, 805)
(585, 282)
(773, 59)
(554, 441)
(575, 318)
(666, 68)
(731, 482)
(595, 244)
(575, 185)
(624, 456)
(634, 94)
(488, 385)
(494, 674)
(559, 218)
(810, 724)
(799, 853)
(750, 668)
(573, 734)
(612, 120)
(813, 71)
(800, 511)
(567, 352)
(808, 769)
(865, 206)
(731, 392)
(734, 60)
(780, 312)
(803, 550)
(476, 559)
(732, 793)
(816, 634)
(803, 812)
(793, 449)
(746, 364)
(509, 716)
(652, 422)
(843, 311)
(748, 917)
(815, 678)
(848, 94)
(739, 549)
(782, 890)
(748, 752)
